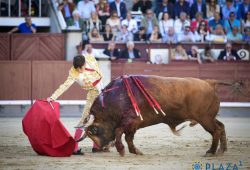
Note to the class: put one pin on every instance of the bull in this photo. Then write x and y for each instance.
(181, 99)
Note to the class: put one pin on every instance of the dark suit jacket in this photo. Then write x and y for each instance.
(71, 9)
(143, 6)
(123, 9)
(178, 9)
(116, 52)
(194, 10)
(170, 9)
(125, 54)
(223, 53)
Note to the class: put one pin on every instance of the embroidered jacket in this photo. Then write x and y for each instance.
(89, 79)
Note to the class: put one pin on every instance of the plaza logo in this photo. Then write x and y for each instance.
(197, 165)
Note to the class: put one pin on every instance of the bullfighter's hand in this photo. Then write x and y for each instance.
(49, 99)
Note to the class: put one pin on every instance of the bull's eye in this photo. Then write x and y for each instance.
(94, 130)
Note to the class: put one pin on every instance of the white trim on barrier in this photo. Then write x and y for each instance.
(83, 102)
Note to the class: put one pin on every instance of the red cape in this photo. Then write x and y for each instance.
(46, 133)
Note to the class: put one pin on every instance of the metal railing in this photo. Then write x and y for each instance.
(16, 6)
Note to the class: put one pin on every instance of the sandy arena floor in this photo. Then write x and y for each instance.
(162, 150)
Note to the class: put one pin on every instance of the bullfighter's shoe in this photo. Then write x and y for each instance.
(78, 152)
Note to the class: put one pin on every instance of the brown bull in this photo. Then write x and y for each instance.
(182, 99)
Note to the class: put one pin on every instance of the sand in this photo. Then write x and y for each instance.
(162, 149)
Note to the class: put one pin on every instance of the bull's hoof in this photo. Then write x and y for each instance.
(221, 151)
(208, 154)
(138, 152)
(122, 152)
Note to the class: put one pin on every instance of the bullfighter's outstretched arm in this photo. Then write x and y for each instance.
(63, 87)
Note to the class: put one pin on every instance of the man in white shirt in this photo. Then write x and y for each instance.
(131, 23)
(179, 23)
(86, 7)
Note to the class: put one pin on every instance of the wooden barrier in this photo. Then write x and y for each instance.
(15, 79)
(4, 46)
(42, 46)
(26, 80)
(48, 75)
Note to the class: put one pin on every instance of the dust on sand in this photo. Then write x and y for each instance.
(162, 150)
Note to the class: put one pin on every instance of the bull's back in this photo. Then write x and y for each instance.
(181, 98)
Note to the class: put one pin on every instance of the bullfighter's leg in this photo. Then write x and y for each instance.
(223, 138)
(129, 137)
(118, 141)
(215, 131)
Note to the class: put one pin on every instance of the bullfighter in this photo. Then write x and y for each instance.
(86, 73)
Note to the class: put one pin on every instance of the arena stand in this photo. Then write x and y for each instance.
(41, 62)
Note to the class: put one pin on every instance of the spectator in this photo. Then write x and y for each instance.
(200, 7)
(235, 36)
(171, 37)
(179, 23)
(216, 21)
(108, 35)
(207, 55)
(155, 35)
(194, 54)
(77, 21)
(88, 50)
(131, 23)
(141, 35)
(164, 7)
(195, 23)
(246, 22)
(227, 9)
(165, 23)
(246, 37)
(179, 53)
(231, 22)
(67, 8)
(86, 7)
(111, 51)
(131, 52)
(102, 9)
(94, 22)
(142, 5)
(119, 7)
(149, 21)
(114, 22)
(186, 35)
(94, 35)
(202, 32)
(212, 8)
(228, 54)
(218, 35)
(181, 6)
(243, 9)
(124, 35)
(26, 27)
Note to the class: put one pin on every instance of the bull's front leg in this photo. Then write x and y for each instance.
(129, 137)
(118, 141)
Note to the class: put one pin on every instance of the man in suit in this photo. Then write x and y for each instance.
(228, 54)
(111, 51)
(165, 6)
(198, 7)
(120, 8)
(130, 52)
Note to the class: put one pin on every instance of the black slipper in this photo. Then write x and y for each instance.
(78, 152)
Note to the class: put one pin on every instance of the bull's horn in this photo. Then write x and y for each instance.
(90, 121)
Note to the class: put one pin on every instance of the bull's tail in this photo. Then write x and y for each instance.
(236, 86)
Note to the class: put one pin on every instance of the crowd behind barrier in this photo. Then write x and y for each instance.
(160, 20)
